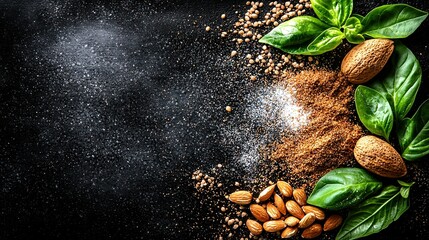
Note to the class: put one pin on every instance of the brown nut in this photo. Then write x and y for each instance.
(291, 221)
(294, 209)
(272, 211)
(366, 60)
(307, 220)
(313, 231)
(259, 213)
(280, 204)
(254, 227)
(284, 188)
(379, 157)
(266, 193)
(289, 232)
(300, 196)
(241, 197)
(274, 225)
(320, 215)
(332, 222)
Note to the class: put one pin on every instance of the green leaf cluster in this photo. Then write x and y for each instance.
(309, 35)
(383, 104)
(372, 206)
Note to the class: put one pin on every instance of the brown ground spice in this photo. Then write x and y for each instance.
(328, 140)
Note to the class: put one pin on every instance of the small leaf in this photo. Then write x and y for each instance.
(392, 21)
(374, 214)
(353, 37)
(400, 81)
(352, 30)
(343, 187)
(374, 111)
(413, 134)
(328, 40)
(405, 189)
(333, 12)
(297, 30)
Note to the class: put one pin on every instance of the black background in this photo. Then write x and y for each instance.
(107, 107)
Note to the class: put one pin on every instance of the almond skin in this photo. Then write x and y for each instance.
(332, 222)
(366, 60)
(291, 221)
(307, 220)
(294, 209)
(284, 188)
(274, 225)
(254, 227)
(272, 211)
(266, 193)
(300, 196)
(379, 157)
(259, 212)
(313, 231)
(241, 197)
(280, 204)
(320, 215)
(289, 232)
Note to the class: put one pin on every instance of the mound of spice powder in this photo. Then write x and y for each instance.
(327, 141)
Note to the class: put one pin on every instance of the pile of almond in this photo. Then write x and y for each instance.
(285, 212)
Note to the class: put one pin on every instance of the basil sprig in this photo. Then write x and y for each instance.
(383, 105)
(413, 134)
(372, 207)
(313, 36)
(343, 187)
(376, 213)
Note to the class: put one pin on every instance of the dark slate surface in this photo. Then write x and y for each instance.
(107, 107)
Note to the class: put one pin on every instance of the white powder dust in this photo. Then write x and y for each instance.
(267, 113)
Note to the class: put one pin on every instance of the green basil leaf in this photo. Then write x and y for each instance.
(327, 41)
(297, 30)
(393, 21)
(374, 214)
(405, 189)
(352, 30)
(406, 132)
(353, 37)
(333, 12)
(353, 24)
(374, 111)
(343, 187)
(358, 16)
(400, 81)
(413, 134)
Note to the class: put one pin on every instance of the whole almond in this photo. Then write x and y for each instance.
(254, 227)
(379, 157)
(272, 211)
(266, 193)
(320, 215)
(289, 232)
(280, 204)
(274, 225)
(366, 60)
(294, 209)
(313, 231)
(241, 197)
(291, 221)
(259, 212)
(284, 188)
(332, 222)
(307, 220)
(300, 196)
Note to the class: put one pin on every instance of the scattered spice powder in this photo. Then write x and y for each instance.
(327, 141)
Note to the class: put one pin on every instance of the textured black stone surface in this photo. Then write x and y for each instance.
(107, 107)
